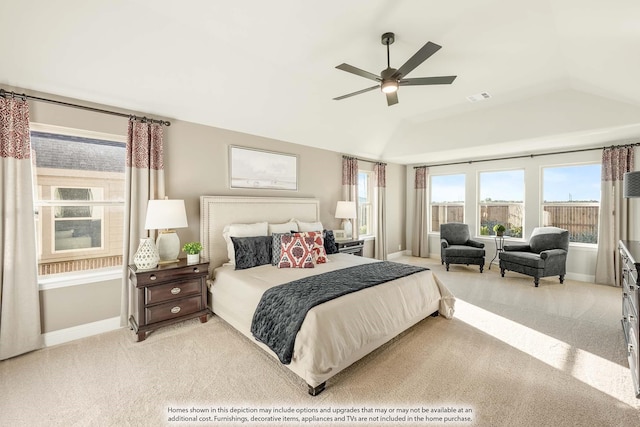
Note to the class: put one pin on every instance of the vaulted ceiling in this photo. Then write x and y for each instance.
(560, 73)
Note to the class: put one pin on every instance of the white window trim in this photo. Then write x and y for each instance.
(65, 280)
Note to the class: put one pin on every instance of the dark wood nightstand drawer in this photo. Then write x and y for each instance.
(354, 247)
(171, 291)
(169, 310)
(159, 275)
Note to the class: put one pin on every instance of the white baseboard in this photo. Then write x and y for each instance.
(81, 331)
(581, 277)
(394, 255)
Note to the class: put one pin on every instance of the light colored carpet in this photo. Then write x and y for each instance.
(513, 354)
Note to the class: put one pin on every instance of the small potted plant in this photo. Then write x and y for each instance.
(192, 249)
(499, 229)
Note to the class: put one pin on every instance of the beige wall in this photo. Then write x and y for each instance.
(195, 165)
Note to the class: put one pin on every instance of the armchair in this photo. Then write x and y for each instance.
(545, 255)
(456, 246)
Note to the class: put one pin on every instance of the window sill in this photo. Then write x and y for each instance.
(64, 280)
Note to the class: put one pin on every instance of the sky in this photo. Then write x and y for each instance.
(559, 184)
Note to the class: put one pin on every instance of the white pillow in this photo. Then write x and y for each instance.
(309, 226)
(285, 227)
(241, 230)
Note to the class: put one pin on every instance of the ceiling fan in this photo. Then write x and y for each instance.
(391, 79)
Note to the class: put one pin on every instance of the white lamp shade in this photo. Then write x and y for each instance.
(165, 214)
(346, 210)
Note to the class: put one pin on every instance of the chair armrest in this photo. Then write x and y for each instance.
(517, 248)
(444, 243)
(475, 244)
(552, 253)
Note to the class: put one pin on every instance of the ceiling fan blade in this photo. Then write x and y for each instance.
(418, 58)
(441, 80)
(392, 98)
(356, 93)
(358, 72)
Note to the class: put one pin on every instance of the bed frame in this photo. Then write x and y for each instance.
(218, 211)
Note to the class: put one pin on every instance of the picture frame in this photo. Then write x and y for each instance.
(261, 169)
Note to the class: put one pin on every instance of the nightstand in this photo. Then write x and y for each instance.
(354, 247)
(167, 294)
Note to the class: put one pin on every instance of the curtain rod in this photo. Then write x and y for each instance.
(522, 156)
(345, 156)
(4, 94)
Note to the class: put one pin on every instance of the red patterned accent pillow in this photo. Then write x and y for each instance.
(296, 252)
(319, 253)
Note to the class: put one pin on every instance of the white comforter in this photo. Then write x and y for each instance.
(339, 332)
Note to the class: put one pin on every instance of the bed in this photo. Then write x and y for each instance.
(333, 334)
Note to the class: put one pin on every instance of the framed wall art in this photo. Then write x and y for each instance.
(261, 169)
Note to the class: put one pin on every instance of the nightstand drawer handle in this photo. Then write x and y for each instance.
(175, 310)
(176, 291)
(152, 277)
(629, 348)
(196, 270)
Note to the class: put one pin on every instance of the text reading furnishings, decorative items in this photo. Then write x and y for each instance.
(456, 246)
(165, 215)
(146, 256)
(630, 255)
(167, 294)
(545, 254)
(346, 211)
(253, 168)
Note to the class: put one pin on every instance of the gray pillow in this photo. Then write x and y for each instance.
(330, 242)
(276, 247)
(252, 251)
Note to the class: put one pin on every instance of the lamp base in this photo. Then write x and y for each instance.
(348, 229)
(168, 244)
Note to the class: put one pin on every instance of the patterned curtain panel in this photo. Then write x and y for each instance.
(350, 186)
(144, 180)
(420, 240)
(19, 294)
(614, 213)
(380, 201)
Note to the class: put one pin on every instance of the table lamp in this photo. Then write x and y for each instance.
(165, 215)
(346, 211)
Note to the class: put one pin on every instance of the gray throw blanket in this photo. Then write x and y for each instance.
(282, 309)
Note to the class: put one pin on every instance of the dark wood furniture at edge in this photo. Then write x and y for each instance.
(167, 294)
(630, 260)
(354, 247)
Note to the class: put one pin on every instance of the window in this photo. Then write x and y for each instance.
(76, 226)
(365, 203)
(79, 179)
(571, 200)
(502, 202)
(447, 200)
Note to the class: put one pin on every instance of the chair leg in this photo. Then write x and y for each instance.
(481, 268)
(536, 281)
(562, 278)
(501, 271)
(447, 266)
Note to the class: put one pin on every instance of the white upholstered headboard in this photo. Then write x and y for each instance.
(218, 211)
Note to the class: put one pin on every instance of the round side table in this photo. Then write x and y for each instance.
(499, 247)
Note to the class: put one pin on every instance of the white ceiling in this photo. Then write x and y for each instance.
(561, 73)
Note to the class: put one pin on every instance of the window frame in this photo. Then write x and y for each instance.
(367, 207)
(45, 204)
(480, 203)
(585, 204)
(430, 201)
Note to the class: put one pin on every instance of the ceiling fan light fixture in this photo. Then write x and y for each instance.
(389, 86)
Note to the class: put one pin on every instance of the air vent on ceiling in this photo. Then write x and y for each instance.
(478, 97)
